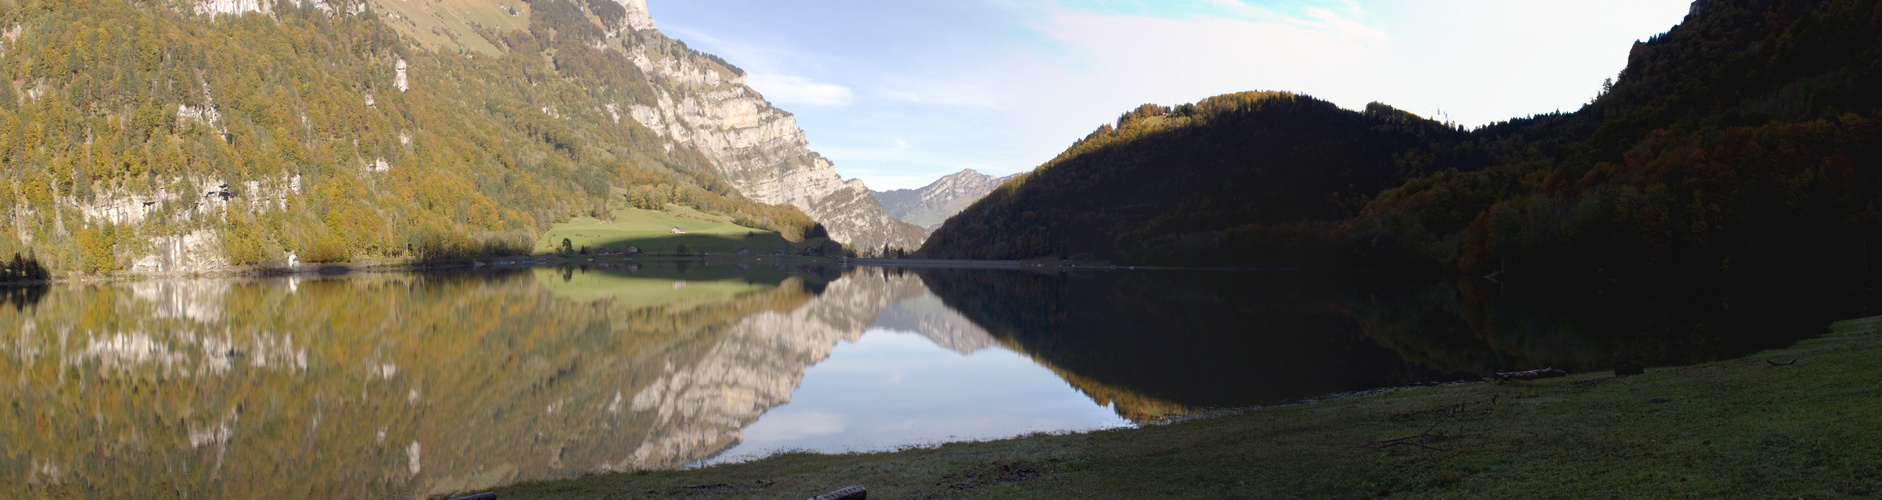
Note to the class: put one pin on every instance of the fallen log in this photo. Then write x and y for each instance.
(1531, 374)
(851, 492)
(690, 487)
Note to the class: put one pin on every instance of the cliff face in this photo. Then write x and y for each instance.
(704, 104)
(931, 205)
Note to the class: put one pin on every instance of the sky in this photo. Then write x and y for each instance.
(902, 92)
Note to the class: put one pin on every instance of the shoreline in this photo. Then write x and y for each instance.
(331, 269)
(335, 269)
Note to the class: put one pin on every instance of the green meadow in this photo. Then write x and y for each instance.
(653, 233)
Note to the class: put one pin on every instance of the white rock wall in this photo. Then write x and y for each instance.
(637, 15)
(233, 7)
(758, 148)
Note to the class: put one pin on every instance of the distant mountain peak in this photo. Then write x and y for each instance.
(932, 204)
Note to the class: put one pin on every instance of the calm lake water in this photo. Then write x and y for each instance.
(409, 385)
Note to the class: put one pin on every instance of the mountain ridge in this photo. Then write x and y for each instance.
(929, 206)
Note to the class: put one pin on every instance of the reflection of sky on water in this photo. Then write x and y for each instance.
(892, 389)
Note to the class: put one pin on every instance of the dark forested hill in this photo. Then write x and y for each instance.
(1209, 182)
(1743, 140)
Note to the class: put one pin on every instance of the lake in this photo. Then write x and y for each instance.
(389, 385)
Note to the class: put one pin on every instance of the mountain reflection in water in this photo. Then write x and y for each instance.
(409, 385)
(1156, 343)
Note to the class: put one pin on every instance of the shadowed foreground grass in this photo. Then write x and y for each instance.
(1742, 428)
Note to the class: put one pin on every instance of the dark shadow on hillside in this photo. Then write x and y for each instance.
(463, 254)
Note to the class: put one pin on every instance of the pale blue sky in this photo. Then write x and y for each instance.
(902, 92)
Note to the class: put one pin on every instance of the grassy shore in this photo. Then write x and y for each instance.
(1742, 428)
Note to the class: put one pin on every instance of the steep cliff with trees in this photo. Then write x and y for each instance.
(1744, 140)
(164, 136)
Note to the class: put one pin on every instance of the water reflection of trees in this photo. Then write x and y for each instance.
(1158, 342)
(369, 387)
(22, 281)
(23, 296)
(1154, 343)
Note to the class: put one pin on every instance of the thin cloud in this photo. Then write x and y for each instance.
(786, 89)
(1346, 28)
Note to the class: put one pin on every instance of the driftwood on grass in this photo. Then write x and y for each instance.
(690, 487)
(1531, 374)
(1408, 441)
(851, 492)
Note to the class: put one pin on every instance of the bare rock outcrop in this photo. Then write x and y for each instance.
(705, 104)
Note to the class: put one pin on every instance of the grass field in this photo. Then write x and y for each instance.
(1743, 428)
(653, 233)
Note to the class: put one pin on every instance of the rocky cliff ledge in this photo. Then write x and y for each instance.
(705, 104)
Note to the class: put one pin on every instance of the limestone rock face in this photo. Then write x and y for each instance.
(233, 7)
(637, 16)
(398, 80)
(705, 104)
(198, 250)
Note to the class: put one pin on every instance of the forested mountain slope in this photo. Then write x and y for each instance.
(1743, 140)
(1208, 182)
(183, 136)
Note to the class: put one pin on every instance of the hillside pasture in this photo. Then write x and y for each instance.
(653, 233)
